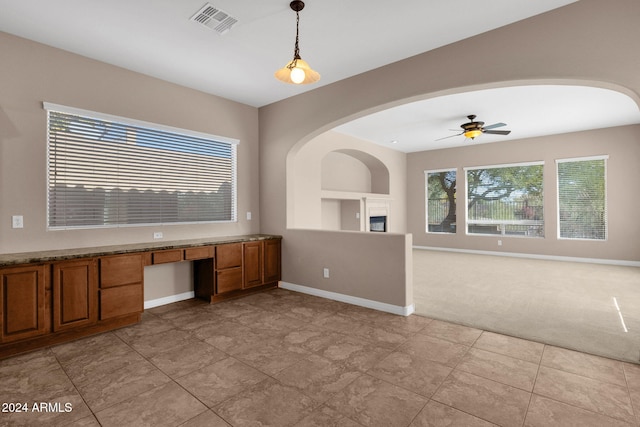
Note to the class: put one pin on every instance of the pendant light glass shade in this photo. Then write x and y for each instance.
(297, 71)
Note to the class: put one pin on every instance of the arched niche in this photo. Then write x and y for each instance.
(354, 171)
(330, 177)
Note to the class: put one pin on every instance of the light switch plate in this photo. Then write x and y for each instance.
(17, 221)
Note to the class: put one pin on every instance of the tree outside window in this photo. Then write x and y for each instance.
(441, 201)
(506, 200)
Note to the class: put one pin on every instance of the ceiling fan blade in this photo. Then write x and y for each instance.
(450, 136)
(497, 132)
(495, 125)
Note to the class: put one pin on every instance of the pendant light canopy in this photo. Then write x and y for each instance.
(297, 71)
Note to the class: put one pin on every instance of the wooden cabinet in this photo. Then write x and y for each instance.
(272, 260)
(228, 262)
(202, 252)
(238, 268)
(252, 264)
(228, 256)
(75, 294)
(121, 300)
(119, 270)
(121, 285)
(22, 302)
(50, 301)
(169, 255)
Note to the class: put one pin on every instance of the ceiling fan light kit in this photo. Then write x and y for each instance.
(297, 71)
(474, 129)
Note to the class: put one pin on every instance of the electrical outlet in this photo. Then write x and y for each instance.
(248, 216)
(17, 221)
(157, 234)
(499, 242)
(325, 273)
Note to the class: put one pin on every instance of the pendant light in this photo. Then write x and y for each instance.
(297, 71)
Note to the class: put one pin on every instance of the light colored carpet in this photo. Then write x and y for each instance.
(568, 304)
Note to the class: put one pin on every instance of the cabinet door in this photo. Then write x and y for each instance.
(75, 294)
(22, 302)
(272, 250)
(252, 264)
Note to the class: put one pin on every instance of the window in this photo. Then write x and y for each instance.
(582, 198)
(441, 201)
(106, 171)
(505, 200)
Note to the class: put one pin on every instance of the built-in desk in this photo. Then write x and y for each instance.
(50, 297)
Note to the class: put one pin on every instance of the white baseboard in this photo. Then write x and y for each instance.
(168, 300)
(623, 263)
(381, 306)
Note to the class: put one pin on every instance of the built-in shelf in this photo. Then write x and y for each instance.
(351, 195)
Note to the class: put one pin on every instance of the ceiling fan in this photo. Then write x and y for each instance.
(474, 129)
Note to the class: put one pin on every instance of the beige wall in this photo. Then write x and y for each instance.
(588, 42)
(621, 144)
(372, 266)
(33, 73)
(344, 173)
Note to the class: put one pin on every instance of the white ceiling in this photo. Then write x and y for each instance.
(528, 111)
(338, 38)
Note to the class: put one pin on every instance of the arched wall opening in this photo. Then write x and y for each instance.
(306, 182)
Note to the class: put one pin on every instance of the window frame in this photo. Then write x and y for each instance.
(503, 233)
(426, 199)
(98, 116)
(605, 158)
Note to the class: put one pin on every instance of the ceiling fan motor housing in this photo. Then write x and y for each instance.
(472, 125)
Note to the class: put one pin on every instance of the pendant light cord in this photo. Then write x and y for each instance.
(296, 50)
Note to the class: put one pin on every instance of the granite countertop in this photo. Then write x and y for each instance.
(65, 254)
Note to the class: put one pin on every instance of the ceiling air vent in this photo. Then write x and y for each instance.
(214, 18)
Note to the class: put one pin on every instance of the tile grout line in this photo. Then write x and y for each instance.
(74, 384)
(445, 380)
(526, 413)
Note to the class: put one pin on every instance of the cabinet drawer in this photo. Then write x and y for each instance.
(120, 270)
(229, 280)
(198, 253)
(229, 255)
(162, 257)
(121, 300)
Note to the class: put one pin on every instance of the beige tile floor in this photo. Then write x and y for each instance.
(281, 358)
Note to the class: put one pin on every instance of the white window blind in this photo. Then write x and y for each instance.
(106, 171)
(582, 199)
